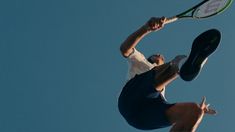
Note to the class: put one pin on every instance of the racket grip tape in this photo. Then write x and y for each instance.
(170, 20)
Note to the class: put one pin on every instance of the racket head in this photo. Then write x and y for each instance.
(211, 8)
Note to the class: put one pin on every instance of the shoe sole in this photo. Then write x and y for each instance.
(203, 46)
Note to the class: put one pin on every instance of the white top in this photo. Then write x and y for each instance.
(139, 64)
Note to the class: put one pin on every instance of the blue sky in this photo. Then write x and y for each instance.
(61, 70)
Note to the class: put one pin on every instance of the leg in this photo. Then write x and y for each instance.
(165, 74)
(185, 116)
(203, 46)
(168, 72)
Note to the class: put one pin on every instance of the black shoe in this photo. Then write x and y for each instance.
(203, 46)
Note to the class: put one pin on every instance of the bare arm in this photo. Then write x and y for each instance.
(153, 24)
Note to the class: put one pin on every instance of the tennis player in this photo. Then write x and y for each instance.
(142, 101)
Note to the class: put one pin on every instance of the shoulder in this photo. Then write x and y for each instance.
(136, 54)
(138, 57)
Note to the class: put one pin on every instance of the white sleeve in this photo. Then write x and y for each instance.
(138, 63)
(136, 56)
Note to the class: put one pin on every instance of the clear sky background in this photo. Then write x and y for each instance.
(61, 70)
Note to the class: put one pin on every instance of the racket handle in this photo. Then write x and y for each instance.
(170, 20)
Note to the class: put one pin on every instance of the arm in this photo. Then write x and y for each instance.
(153, 24)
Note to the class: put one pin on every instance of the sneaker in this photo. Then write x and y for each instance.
(203, 46)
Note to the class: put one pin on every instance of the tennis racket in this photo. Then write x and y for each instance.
(206, 8)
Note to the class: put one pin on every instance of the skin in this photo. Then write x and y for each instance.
(185, 117)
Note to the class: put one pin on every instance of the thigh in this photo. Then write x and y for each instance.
(180, 110)
(164, 76)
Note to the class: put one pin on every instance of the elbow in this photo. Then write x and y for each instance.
(124, 51)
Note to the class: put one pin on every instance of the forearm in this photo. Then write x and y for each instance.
(153, 24)
(132, 40)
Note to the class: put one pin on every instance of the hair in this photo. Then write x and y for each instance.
(151, 60)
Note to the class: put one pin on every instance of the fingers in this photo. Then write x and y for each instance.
(211, 112)
(203, 103)
(156, 23)
(205, 107)
(163, 20)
